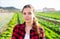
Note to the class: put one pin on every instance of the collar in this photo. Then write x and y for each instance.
(24, 25)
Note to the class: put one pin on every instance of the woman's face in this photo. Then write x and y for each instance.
(28, 14)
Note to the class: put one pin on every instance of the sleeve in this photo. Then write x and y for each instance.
(42, 34)
(14, 33)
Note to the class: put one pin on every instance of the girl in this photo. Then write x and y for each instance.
(30, 29)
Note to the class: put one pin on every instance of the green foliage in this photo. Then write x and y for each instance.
(52, 30)
(7, 34)
(54, 15)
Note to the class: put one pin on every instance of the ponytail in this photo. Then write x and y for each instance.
(36, 25)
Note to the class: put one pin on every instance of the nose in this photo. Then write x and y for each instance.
(27, 15)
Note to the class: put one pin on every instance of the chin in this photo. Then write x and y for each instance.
(27, 21)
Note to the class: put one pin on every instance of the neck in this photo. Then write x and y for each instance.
(28, 24)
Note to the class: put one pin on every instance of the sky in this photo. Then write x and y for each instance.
(38, 4)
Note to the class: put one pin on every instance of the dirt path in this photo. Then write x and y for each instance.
(4, 19)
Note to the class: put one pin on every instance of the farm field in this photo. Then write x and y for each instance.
(52, 30)
(54, 15)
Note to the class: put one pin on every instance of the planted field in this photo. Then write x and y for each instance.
(50, 24)
(52, 30)
(53, 15)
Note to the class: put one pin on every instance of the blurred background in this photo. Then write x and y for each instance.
(47, 13)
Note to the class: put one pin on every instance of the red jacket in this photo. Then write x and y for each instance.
(19, 32)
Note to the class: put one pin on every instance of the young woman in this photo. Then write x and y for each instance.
(30, 29)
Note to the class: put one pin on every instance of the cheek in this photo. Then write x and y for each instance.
(31, 17)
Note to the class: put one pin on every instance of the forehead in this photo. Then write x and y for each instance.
(27, 10)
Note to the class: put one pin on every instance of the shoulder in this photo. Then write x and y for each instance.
(18, 26)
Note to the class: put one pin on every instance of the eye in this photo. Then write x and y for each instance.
(29, 13)
(24, 13)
